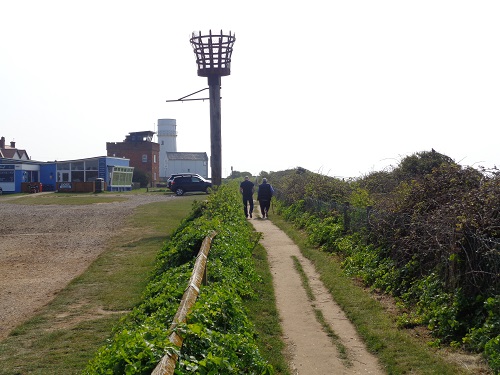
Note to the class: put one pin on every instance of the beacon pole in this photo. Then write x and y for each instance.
(213, 57)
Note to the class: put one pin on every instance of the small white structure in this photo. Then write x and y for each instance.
(172, 161)
(188, 162)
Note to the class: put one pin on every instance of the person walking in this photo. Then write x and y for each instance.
(247, 189)
(264, 196)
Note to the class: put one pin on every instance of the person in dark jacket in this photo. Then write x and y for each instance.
(264, 196)
(247, 189)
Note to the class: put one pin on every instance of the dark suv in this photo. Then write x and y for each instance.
(171, 178)
(182, 184)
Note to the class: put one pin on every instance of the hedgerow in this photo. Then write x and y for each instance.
(426, 232)
(218, 336)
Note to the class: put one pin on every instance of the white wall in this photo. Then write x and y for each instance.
(191, 166)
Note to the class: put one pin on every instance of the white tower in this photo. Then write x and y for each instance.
(167, 138)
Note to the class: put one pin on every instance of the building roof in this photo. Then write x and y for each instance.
(144, 136)
(202, 156)
(11, 151)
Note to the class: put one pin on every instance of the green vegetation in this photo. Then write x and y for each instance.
(141, 177)
(68, 332)
(398, 351)
(219, 338)
(425, 233)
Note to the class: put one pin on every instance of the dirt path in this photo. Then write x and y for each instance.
(312, 350)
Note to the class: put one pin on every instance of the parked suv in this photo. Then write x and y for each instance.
(171, 178)
(182, 184)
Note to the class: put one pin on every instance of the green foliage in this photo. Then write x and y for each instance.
(360, 197)
(238, 174)
(421, 164)
(487, 337)
(219, 338)
(324, 233)
(432, 240)
(297, 184)
(439, 309)
(369, 264)
(492, 353)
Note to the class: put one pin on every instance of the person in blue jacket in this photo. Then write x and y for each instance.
(264, 196)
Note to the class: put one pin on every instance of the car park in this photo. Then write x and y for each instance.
(171, 178)
(183, 184)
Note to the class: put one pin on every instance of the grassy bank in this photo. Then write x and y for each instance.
(219, 337)
(64, 335)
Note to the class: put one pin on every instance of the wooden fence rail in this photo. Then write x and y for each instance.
(166, 366)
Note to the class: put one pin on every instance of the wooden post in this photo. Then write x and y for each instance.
(215, 129)
(213, 57)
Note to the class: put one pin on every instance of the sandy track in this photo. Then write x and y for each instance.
(43, 247)
(312, 351)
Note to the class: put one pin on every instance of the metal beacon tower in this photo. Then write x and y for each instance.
(213, 57)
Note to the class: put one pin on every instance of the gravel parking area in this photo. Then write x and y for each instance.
(43, 247)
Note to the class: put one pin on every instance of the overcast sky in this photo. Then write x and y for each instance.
(338, 87)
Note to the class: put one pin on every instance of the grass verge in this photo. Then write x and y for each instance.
(264, 314)
(398, 351)
(319, 315)
(64, 335)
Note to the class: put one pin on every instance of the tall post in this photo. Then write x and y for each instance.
(213, 57)
(215, 129)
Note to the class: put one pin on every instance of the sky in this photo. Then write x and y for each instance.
(342, 88)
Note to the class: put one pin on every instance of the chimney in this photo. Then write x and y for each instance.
(2, 142)
(12, 144)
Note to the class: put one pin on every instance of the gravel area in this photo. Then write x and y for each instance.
(43, 247)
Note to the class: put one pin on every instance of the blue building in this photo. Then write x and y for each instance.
(70, 175)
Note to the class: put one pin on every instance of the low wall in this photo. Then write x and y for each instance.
(77, 187)
(31, 187)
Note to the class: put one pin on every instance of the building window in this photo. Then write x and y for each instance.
(162, 143)
(154, 158)
(91, 165)
(145, 158)
(122, 176)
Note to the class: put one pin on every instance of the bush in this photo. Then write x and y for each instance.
(431, 240)
(492, 353)
(219, 337)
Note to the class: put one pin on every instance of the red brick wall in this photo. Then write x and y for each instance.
(134, 151)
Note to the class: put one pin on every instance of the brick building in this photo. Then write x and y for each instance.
(142, 152)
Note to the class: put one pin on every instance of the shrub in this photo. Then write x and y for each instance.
(219, 338)
(432, 240)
